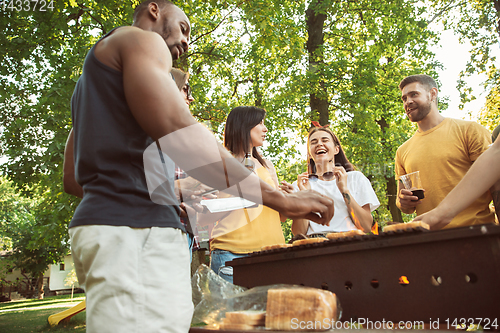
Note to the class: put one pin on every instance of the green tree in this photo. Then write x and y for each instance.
(366, 48)
(24, 234)
(489, 116)
(42, 59)
(336, 61)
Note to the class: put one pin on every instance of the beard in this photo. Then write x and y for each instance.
(421, 112)
(166, 33)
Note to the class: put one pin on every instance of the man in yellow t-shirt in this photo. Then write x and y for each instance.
(442, 150)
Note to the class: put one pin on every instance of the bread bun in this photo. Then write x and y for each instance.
(350, 233)
(302, 305)
(309, 241)
(249, 317)
(406, 226)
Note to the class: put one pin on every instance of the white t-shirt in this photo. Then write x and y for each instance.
(361, 190)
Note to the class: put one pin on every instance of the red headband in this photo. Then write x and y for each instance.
(316, 124)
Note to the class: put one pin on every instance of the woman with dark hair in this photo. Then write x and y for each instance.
(330, 173)
(243, 231)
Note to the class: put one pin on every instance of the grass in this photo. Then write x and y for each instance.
(31, 315)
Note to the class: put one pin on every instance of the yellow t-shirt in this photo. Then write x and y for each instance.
(248, 230)
(443, 155)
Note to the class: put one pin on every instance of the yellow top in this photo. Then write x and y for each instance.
(248, 230)
(443, 155)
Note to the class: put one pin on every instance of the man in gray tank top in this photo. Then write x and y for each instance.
(128, 245)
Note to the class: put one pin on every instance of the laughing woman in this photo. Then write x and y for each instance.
(243, 231)
(333, 175)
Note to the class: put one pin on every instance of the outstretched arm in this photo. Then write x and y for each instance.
(159, 109)
(483, 174)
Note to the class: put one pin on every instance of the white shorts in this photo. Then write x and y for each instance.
(135, 279)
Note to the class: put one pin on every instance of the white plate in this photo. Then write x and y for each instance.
(227, 204)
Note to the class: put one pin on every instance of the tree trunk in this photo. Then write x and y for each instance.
(391, 185)
(39, 286)
(392, 192)
(318, 98)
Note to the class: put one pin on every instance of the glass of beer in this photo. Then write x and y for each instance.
(412, 182)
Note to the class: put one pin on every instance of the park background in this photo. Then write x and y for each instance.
(338, 62)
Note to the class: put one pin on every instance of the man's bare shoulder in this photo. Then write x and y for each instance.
(131, 42)
(130, 37)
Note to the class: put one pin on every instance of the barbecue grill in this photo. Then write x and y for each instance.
(409, 275)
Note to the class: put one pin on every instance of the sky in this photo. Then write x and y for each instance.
(454, 57)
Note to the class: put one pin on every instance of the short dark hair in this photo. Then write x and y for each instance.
(423, 79)
(144, 5)
(239, 123)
